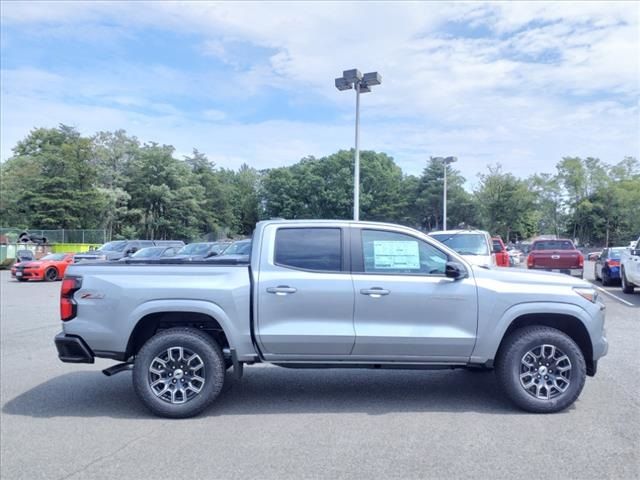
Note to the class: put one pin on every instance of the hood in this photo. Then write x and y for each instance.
(479, 260)
(34, 263)
(530, 277)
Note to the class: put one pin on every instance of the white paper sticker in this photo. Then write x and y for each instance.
(397, 255)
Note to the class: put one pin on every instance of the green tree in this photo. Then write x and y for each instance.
(506, 204)
(50, 182)
(429, 198)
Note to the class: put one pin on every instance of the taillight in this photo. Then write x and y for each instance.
(68, 306)
(580, 260)
(612, 263)
(530, 260)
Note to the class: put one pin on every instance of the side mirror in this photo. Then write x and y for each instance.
(455, 270)
(131, 251)
(212, 254)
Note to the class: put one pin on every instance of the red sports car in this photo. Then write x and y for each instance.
(49, 268)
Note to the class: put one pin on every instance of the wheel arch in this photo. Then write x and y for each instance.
(51, 267)
(569, 318)
(571, 325)
(152, 323)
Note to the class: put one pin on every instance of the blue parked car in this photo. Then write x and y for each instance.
(607, 267)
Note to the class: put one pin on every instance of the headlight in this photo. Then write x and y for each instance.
(590, 294)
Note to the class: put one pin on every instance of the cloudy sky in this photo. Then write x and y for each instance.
(522, 84)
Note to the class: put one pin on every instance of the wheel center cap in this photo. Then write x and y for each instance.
(178, 374)
(542, 370)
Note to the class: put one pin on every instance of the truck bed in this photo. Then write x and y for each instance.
(115, 295)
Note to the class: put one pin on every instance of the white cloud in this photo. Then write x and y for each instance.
(523, 83)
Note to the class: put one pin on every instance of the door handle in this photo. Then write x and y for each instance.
(282, 290)
(375, 292)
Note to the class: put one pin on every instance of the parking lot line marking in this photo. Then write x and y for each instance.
(629, 304)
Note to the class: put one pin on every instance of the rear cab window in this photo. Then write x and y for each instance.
(553, 245)
(316, 249)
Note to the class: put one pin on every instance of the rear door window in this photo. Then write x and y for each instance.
(315, 249)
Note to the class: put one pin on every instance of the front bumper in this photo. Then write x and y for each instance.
(28, 274)
(73, 349)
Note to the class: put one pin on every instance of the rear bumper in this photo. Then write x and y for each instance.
(73, 349)
(614, 272)
(574, 272)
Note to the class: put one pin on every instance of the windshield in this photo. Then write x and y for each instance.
(195, 249)
(238, 248)
(54, 256)
(464, 243)
(553, 245)
(148, 252)
(117, 246)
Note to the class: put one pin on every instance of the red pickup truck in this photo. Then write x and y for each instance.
(556, 256)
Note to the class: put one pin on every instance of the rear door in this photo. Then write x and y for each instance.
(406, 309)
(304, 293)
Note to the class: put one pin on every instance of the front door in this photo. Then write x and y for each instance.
(405, 307)
(305, 295)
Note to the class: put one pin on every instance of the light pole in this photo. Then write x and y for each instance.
(362, 84)
(445, 161)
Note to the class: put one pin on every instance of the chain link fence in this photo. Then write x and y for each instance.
(98, 236)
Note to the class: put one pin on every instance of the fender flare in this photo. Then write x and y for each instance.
(487, 348)
(204, 307)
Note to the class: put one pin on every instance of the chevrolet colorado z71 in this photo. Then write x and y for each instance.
(326, 294)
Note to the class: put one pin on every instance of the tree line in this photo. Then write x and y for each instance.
(58, 178)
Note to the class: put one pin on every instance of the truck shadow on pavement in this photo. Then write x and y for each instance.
(273, 390)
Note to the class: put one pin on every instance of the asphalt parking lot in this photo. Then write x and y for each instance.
(63, 421)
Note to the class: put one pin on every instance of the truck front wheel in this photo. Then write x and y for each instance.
(541, 369)
(178, 372)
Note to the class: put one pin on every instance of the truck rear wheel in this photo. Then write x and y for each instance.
(541, 369)
(179, 372)
(626, 286)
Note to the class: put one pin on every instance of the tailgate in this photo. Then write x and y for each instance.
(556, 259)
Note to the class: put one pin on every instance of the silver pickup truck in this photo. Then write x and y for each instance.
(328, 294)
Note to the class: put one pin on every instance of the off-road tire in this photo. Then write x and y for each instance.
(509, 361)
(195, 341)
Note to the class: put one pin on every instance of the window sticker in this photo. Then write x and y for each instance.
(396, 255)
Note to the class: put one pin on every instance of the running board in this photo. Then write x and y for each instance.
(117, 368)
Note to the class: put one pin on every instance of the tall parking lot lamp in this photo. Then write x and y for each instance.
(445, 161)
(362, 84)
